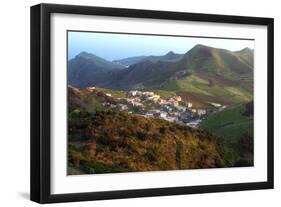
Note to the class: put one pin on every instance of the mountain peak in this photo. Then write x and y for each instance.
(85, 55)
(199, 49)
(246, 49)
(201, 46)
(170, 53)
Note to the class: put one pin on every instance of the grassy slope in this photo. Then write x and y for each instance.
(233, 127)
(214, 74)
(230, 122)
(209, 91)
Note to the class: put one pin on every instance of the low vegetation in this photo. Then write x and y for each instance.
(108, 141)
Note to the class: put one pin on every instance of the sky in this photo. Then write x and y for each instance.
(117, 46)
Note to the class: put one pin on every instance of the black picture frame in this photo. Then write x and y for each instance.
(41, 96)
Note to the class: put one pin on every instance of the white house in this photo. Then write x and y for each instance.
(134, 93)
(215, 104)
(177, 98)
(201, 112)
(171, 100)
(163, 114)
(193, 110)
(149, 114)
(91, 88)
(122, 107)
(181, 108)
(147, 93)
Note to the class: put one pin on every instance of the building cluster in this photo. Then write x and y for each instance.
(144, 96)
(156, 99)
(149, 104)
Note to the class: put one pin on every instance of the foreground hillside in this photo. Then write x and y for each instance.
(232, 125)
(108, 141)
(235, 127)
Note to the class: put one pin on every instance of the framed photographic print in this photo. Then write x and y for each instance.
(133, 103)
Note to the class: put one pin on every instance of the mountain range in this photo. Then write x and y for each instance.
(169, 57)
(86, 68)
(203, 74)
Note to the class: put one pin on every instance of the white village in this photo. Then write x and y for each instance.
(151, 105)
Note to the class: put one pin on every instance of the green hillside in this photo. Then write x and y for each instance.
(216, 62)
(204, 74)
(208, 90)
(247, 55)
(235, 127)
(214, 75)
